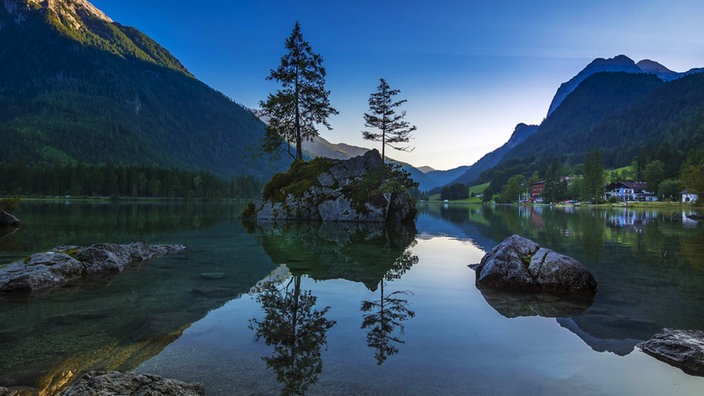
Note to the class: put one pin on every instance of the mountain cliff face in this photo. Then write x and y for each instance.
(620, 63)
(76, 86)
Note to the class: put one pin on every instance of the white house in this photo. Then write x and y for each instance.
(689, 197)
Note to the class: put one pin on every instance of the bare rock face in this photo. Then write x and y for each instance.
(70, 264)
(680, 348)
(333, 195)
(7, 219)
(519, 264)
(114, 383)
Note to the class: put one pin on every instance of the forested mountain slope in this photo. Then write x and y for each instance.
(75, 86)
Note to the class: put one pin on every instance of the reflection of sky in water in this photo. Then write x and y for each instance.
(456, 344)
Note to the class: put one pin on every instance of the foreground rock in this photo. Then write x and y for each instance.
(7, 219)
(361, 189)
(115, 383)
(680, 348)
(519, 264)
(70, 264)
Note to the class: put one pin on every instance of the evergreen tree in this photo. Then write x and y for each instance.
(392, 128)
(302, 102)
(593, 183)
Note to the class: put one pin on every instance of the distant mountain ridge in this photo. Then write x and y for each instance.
(76, 86)
(520, 134)
(620, 63)
(427, 180)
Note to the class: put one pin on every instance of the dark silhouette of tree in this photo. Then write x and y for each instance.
(301, 103)
(388, 312)
(392, 128)
(296, 330)
(593, 184)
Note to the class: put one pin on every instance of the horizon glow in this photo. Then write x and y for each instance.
(470, 70)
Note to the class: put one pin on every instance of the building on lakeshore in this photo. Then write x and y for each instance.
(689, 197)
(628, 191)
(536, 191)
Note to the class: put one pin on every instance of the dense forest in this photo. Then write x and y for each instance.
(106, 92)
(635, 120)
(83, 180)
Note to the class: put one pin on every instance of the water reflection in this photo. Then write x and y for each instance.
(47, 343)
(514, 304)
(374, 254)
(648, 264)
(357, 252)
(386, 315)
(297, 331)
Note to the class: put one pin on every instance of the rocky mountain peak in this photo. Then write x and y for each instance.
(72, 13)
(652, 67)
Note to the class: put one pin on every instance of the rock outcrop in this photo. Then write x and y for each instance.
(70, 264)
(361, 189)
(116, 383)
(680, 348)
(519, 264)
(7, 219)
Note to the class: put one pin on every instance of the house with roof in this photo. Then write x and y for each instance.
(689, 197)
(628, 191)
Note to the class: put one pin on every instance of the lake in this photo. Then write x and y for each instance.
(377, 310)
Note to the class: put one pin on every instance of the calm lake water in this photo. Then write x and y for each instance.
(377, 310)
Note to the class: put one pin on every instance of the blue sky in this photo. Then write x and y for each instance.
(470, 70)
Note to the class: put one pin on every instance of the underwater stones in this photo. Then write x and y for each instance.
(6, 219)
(70, 264)
(116, 383)
(683, 349)
(519, 264)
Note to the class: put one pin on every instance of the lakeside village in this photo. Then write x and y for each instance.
(622, 191)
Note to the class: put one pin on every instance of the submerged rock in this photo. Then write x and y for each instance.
(519, 264)
(6, 219)
(116, 383)
(513, 304)
(361, 189)
(680, 348)
(70, 264)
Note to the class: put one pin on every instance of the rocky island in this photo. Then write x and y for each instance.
(360, 189)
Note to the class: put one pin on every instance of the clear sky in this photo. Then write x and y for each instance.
(470, 70)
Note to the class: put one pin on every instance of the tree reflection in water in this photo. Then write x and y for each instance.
(297, 331)
(389, 312)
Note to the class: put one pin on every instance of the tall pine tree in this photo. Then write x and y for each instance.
(392, 129)
(302, 102)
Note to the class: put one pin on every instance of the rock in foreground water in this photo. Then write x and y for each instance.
(114, 383)
(520, 264)
(71, 264)
(680, 348)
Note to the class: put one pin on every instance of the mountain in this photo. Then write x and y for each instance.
(426, 177)
(77, 86)
(488, 161)
(628, 116)
(620, 63)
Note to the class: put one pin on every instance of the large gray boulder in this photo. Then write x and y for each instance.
(519, 264)
(680, 348)
(114, 383)
(355, 190)
(70, 264)
(6, 219)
